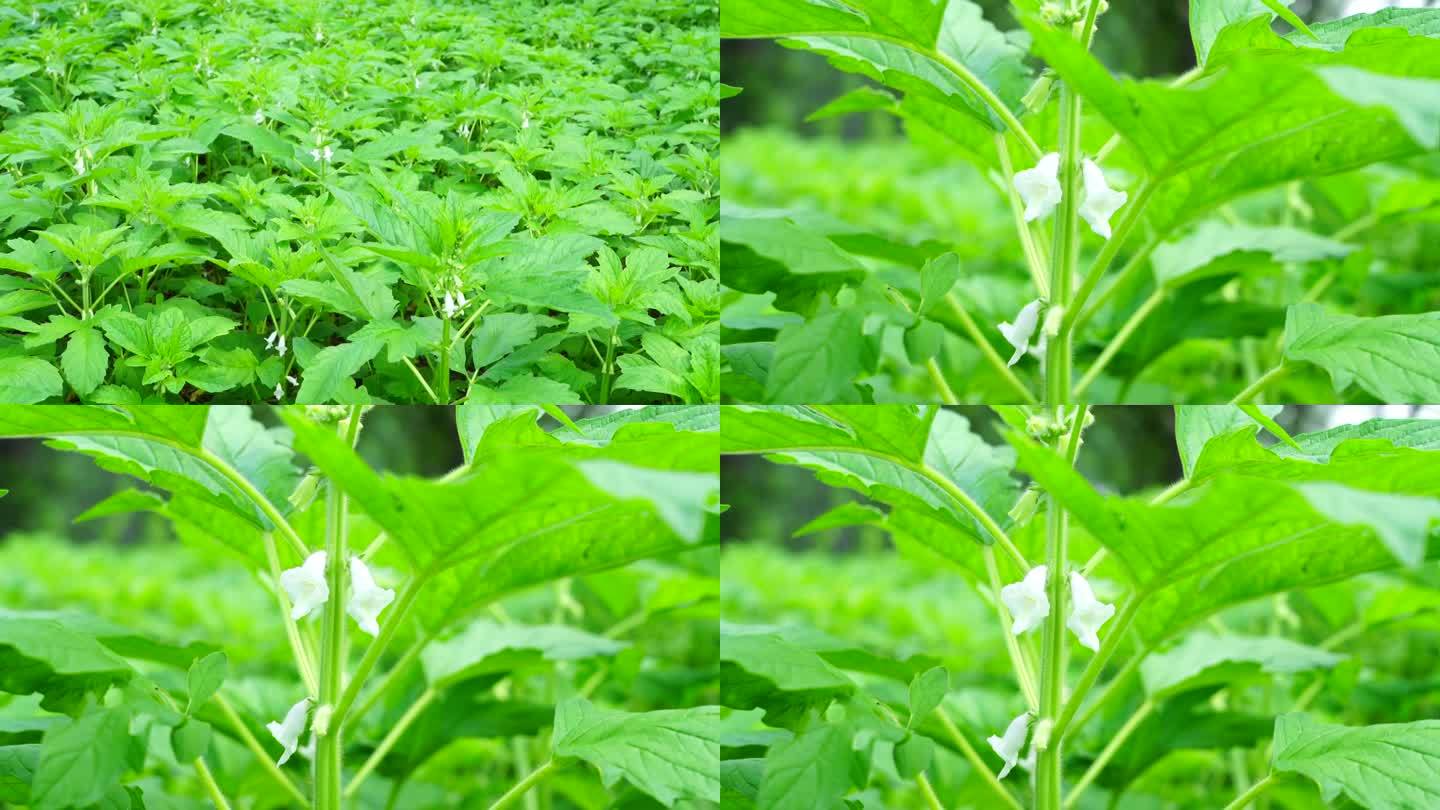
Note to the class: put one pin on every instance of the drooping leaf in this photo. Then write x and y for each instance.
(39, 654)
(1383, 767)
(1205, 659)
(486, 646)
(1394, 357)
(669, 754)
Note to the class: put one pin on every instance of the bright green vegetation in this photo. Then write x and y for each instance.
(415, 202)
(1276, 242)
(1276, 624)
(532, 656)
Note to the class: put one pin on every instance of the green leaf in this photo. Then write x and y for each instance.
(1206, 659)
(913, 755)
(486, 646)
(39, 654)
(81, 760)
(204, 679)
(1208, 17)
(27, 380)
(765, 251)
(808, 772)
(1416, 21)
(1394, 357)
(818, 360)
(1402, 522)
(499, 334)
(861, 99)
(1196, 425)
(85, 361)
(912, 45)
(1415, 103)
(1222, 248)
(17, 771)
(190, 740)
(549, 271)
(926, 692)
(937, 278)
(846, 514)
(331, 371)
(670, 754)
(1385, 766)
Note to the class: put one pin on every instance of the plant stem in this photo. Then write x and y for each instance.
(1250, 795)
(329, 745)
(1023, 675)
(413, 370)
(1052, 662)
(973, 330)
(1112, 688)
(1092, 671)
(1066, 251)
(266, 763)
(388, 628)
(928, 792)
(1253, 389)
(1108, 752)
(1108, 252)
(1113, 347)
(391, 678)
(208, 780)
(392, 737)
(534, 778)
(1084, 314)
(937, 378)
(973, 757)
(442, 374)
(609, 364)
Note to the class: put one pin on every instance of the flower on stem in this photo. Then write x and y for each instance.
(287, 732)
(258, 117)
(1040, 187)
(366, 598)
(322, 155)
(1026, 600)
(524, 119)
(282, 385)
(306, 585)
(275, 341)
(1101, 201)
(1019, 333)
(1087, 613)
(1009, 744)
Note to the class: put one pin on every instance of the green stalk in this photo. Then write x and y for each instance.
(609, 369)
(208, 780)
(928, 792)
(1108, 753)
(329, 746)
(1052, 666)
(1253, 389)
(1065, 255)
(1023, 675)
(1250, 795)
(396, 614)
(266, 763)
(392, 737)
(968, 751)
(1121, 337)
(442, 374)
(391, 678)
(520, 788)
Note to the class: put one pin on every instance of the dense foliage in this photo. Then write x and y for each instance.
(407, 202)
(526, 652)
(1275, 238)
(1272, 629)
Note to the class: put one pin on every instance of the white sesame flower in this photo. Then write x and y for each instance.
(279, 391)
(319, 35)
(524, 119)
(287, 732)
(1026, 600)
(1101, 201)
(1019, 333)
(1087, 613)
(447, 306)
(306, 585)
(1040, 187)
(366, 598)
(258, 117)
(1008, 745)
(79, 162)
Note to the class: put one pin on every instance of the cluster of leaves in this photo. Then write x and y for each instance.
(412, 202)
(132, 678)
(1273, 586)
(1260, 235)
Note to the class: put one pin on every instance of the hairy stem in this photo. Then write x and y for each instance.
(534, 778)
(329, 745)
(390, 679)
(395, 616)
(1250, 795)
(1112, 641)
(1023, 674)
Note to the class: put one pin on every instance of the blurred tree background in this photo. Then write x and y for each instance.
(1129, 449)
(1136, 37)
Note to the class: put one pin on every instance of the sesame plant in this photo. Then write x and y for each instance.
(1231, 639)
(413, 202)
(1050, 231)
(536, 625)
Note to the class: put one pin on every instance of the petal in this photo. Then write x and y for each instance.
(1039, 187)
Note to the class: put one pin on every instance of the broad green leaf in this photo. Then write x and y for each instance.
(190, 740)
(1415, 434)
(1416, 21)
(861, 99)
(937, 278)
(1208, 17)
(1403, 522)
(916, 46)
(1247, 532)
(331, 372)
(670, 754)
(1414, 102)
(530, 513)
(1206, 659)
(27, 380)
(1382, 767)
(818, 360)
(204, 679)
(499, 334)
(85, 361)
(913, 755)
(809, 772)
(17, 771)
(926, 692)
(773, 252)
(787, 666)
(1222, 248)
(1196, 425)
(922, 461)
(1223, 135)
(82, 760)
(548, 272)
(39, 654)
(1394, 357)
(846, 514)
(486, 646)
